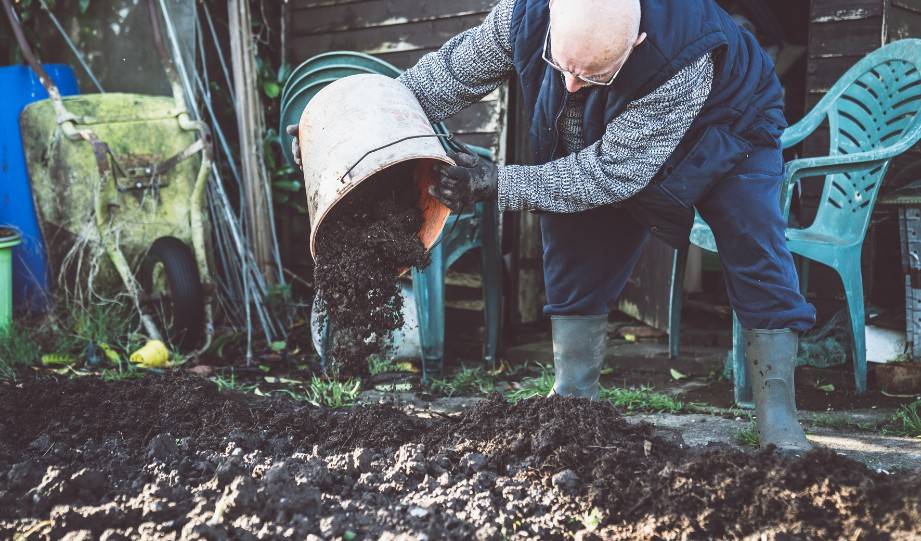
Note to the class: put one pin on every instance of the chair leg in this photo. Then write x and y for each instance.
(675, 298)
(491, 272)
(804, 276)
(853, 290)
(429, 290)
(742, 384)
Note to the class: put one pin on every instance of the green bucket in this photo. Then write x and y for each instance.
(9, 238)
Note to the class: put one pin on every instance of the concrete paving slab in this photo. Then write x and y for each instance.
(878, 451)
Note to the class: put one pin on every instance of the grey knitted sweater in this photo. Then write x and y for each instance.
(633, 148)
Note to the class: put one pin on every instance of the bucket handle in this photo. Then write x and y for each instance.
(446, 136)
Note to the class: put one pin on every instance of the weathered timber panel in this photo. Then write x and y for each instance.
(400, 32)
(376, 13)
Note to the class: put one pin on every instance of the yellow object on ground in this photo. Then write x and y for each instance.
(57, 359)
(154, 354)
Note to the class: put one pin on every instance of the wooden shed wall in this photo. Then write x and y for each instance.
(400, 32)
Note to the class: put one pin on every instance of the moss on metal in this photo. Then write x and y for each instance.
(141, 132)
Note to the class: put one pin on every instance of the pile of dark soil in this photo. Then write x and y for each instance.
(172, 458)
(364, 244)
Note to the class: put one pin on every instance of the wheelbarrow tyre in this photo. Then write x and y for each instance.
(186, 303)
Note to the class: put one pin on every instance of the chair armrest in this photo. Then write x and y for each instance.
(797, 132)
(828, 165)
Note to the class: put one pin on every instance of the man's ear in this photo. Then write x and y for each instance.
(639, 40)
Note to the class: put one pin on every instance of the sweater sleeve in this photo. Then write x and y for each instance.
(633, 148)
(466, 68)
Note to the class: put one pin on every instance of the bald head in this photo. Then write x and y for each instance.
(593, 38)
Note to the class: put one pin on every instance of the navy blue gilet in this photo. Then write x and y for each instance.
(744, 109)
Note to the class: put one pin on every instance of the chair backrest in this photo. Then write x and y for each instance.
(878, 105)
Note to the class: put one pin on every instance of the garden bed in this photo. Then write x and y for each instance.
(173, 457)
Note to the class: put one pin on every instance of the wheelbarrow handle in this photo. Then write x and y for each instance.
(27, 52)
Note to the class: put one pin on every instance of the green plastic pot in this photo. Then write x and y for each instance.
(9, 238)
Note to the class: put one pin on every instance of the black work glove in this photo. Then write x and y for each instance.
(472, 179)
(295, 147)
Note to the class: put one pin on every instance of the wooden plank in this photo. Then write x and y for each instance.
(479, 117)
(903, 23)
(404, 37)
(307, 4)
(251, 127)
(845, 38)
(909, 5)
(825, 11)
(823, 72)
(646, 296)
(405, 59)
(377, 13)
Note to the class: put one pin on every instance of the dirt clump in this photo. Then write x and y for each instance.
(173, 458)
(364, 244)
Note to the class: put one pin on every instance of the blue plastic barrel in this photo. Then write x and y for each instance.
(20, 86)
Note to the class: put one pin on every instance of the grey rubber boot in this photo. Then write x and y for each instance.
(771, 358)
(579, 344)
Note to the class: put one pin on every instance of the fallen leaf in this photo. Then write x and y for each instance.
(676, 375)
(201, 370)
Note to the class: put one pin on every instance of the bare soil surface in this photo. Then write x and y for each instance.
(364, 244)
(173, 458)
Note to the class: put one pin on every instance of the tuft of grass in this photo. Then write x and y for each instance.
(631, 400)
(467, 381)
(535, 386)
(840, 422)
(17, 348)
(332, 394)
(906, 421)
(643, 399)
(378, 365)
(231, 384)
(748, 436)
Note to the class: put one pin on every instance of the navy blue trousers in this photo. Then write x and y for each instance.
(588, 256)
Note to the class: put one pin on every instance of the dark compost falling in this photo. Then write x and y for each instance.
(368, 239)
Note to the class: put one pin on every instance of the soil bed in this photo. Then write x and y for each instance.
(364, 244)
(173, 458)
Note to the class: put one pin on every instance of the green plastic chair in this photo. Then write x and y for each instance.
(872, 114)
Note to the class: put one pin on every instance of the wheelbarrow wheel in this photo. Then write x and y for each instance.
(173, 290)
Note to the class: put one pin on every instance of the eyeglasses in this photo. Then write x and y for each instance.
(548, 59)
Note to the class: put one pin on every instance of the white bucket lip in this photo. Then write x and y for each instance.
(349, 187)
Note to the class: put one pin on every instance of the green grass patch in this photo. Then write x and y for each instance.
(466, 381)
(533, 386)
(17, 348)
(230, 383)
(637, 399)
(839, 422)
(643, 399)
(906, 421)
(332, 393)
(748, 436)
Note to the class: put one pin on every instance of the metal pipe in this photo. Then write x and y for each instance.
(73, 48)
